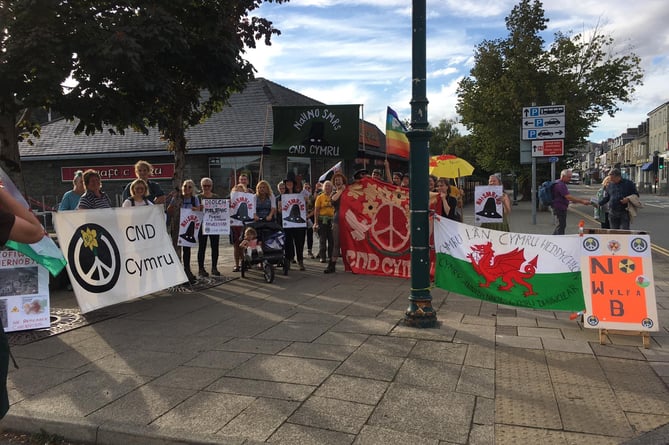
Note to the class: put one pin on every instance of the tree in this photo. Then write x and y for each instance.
(442, 135)
(141, 63)
(35, 59)
(508, 74)
(137, 63)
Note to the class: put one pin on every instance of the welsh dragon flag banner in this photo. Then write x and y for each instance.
(518, 269)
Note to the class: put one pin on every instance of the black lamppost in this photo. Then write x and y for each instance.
(420, 312)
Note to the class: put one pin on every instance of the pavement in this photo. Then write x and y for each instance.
(325, 359)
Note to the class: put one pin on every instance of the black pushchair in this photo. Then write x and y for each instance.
(272, 241)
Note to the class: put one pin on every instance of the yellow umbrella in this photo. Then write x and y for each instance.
(449, 166)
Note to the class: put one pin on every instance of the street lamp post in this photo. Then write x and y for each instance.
(420, 312)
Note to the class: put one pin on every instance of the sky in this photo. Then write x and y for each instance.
(359, 51)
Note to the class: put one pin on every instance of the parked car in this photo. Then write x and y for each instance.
(575, 178)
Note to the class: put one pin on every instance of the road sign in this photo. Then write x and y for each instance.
(548, 148)
(553, 159)
(547, 112)
(543, 122)
(543, 133)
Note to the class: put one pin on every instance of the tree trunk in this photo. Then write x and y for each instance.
(10, 159)
(177, 141)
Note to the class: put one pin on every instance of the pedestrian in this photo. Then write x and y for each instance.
(17, 223)
(506, 208)
(138, 191)
(324, 213)
(237, 233)
(405, 180)
(446, 204)
(601, 213)
(310, 199)
(154, 192)
(561, 200)
(71, 198)
(207, 185)
(397, 178)
(281, 189)
(189, 201)
(94, 197)
(376, 174)
(359, 174)
(339, 183)
(265, 203)
(620, 194)
(432, 184)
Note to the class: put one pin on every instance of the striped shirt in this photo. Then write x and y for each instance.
(90, 201)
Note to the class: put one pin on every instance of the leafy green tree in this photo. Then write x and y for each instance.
(508, 74)
(35, 59)
(442, 135)
(138, 63)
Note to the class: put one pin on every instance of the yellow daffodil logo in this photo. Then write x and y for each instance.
(90, 238)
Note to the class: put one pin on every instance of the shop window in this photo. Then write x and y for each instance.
(301, 168)
(224, 171)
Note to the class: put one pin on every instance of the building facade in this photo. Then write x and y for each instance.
(236, 140)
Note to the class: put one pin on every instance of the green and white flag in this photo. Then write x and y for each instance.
(45, 251)
(517, 269)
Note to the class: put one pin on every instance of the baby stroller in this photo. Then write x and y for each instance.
(272, 240)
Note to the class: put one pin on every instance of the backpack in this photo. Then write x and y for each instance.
(546, 193)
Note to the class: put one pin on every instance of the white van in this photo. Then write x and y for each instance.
(575, 178)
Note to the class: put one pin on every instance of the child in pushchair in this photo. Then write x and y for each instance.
(263, 245)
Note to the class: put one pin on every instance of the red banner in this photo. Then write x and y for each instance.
(374, 230)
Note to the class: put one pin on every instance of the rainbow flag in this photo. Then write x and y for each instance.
(396, 141)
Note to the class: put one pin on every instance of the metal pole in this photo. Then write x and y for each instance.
(420, 312)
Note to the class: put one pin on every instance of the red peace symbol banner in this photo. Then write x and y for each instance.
(374, 232)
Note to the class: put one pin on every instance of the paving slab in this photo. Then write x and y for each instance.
(426, 412)
(353, 389)
(332, 414)
(302, 371)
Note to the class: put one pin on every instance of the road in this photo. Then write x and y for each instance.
(653, 218)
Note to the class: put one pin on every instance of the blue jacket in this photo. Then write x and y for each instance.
(615, 193)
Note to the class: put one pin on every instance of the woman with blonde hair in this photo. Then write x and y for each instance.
(339, 183)
(138, 191)
(265, 204)
(207, 185)
(323, 216)
(189, 201)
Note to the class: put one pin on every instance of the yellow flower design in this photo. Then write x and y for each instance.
(90, 238)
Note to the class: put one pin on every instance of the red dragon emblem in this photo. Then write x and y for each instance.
(506, 266)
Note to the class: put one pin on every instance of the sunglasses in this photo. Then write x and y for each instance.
(206, 185)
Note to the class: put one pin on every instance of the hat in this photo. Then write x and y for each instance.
(358, 173)
(615, 172)
(489, 209)
(190, 233)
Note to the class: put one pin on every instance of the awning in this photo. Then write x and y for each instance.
(647, 166)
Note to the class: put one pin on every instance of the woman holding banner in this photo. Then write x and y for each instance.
(295, 235)
(207, 184)
(189, 201)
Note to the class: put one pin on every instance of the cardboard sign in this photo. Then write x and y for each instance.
(618, 283)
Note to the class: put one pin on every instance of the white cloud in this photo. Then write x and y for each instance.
(359, 51)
